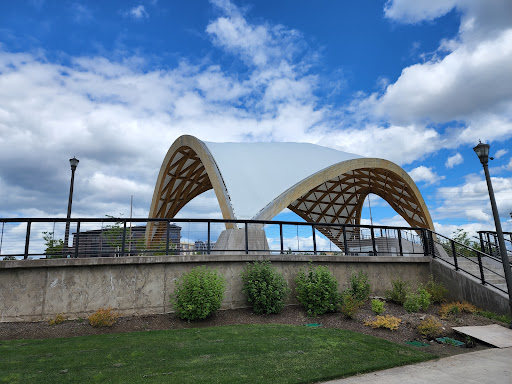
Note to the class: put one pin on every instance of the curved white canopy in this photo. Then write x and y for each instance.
(259, 180)
(256, 173)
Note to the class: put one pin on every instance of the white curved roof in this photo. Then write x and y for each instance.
(272, 168)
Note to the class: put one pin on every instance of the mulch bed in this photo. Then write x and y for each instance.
(290, 315)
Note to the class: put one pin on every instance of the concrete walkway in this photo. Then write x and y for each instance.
(493, 366)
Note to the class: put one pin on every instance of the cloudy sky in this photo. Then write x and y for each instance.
(115, 83)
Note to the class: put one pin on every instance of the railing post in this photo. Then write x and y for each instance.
(372, 233)
(400, 242)
(208, 250)
(345, 240)
(314, 239)
(431, 243)
(246, 239)
(482, 277)
(482, 244)
(168, 233)
(27, 239)
(454, 253)
(489, 243)
(425, 242)
(124, 238)
(77, 238)
(281, 237)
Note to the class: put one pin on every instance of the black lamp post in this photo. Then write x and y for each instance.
(73, 162)
(482, 150)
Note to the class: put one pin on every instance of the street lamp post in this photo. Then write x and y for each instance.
(482, 150)
(73, 162)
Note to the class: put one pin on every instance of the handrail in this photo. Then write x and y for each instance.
(352, 240)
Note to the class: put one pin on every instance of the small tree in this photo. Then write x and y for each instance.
(54, 247)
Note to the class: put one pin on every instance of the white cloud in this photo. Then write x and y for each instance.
(468, 82)
(509, 165)
(454, 160)
(500, 153)
(420, 10)
(470, 201)
(425, 174)
(138, 12)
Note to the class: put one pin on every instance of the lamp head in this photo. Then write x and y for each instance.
(482, 151)
(74, 162)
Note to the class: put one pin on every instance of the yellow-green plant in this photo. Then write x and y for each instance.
(437, 290)
(430, 327)
(388, 322)
(378, 306)
(59, 318)
(455, 308)
(103, 317)
(350, 304)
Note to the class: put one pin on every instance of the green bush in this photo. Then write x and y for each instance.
(417, 301)
(317, 290)
(399, 290)
(350, 304)
(437, 291)
(430, 328)
(377, 306)
(264, 287)
(360, 286)
(198, 293)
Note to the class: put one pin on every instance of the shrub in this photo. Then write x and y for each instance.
(437, 291)
(198, 293)
(350, 304)
(430, 327)
(317, 290)
(417, 301)
(103, 318)
(264, 287)
(399, 290)
(360, 286)
(59, 318)
(455, 308)
(377, 306)
(494, 316)
(389, 322)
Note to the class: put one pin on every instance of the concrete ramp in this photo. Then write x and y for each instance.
(494, 334)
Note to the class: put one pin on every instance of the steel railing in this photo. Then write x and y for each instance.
(23, 238)
(482, 266)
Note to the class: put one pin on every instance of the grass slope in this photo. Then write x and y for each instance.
(228, 354)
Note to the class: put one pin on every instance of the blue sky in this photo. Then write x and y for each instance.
(115, 83)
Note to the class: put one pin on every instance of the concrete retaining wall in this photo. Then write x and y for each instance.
(34, 290)
(463, 287)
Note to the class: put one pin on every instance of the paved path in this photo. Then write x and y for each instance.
(492, 366)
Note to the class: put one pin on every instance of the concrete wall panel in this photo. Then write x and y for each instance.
(34, 290)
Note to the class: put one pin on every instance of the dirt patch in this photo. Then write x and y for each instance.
(290, 315)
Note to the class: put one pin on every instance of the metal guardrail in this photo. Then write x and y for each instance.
(455, 253)
(106, 237)
(24, 238)
(489, 243)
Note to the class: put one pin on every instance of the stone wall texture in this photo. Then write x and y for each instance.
(35, 290)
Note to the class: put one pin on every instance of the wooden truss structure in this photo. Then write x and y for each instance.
(334, 195)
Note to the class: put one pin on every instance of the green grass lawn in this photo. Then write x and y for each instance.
(229, 354)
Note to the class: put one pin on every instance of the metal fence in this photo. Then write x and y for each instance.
(489, 242)
(482, 266)
(24, 238)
